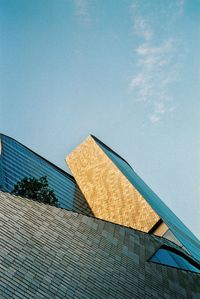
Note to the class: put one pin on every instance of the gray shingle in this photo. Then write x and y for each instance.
(46, 252)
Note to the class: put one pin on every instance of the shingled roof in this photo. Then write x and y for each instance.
(47, 252)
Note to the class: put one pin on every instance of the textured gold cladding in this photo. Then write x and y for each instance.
(109, 193)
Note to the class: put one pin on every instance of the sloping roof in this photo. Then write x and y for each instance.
(39, 156)
(17, 161)
(47, 252)
(181, 232)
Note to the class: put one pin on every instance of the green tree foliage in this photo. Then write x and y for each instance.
(36, 189)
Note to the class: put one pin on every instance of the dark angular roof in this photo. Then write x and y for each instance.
(47, 161)
(47, 252)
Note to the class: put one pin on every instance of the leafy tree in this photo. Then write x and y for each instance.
(36, 189)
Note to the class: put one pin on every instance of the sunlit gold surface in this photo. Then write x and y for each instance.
(109, 193)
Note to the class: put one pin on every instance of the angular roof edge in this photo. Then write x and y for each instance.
(178, 228)
(110, 149)
(50, 163)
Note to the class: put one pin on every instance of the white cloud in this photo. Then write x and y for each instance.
(154, 118)
(146, 49)
(142, 29)
(157, 62)
(137, 81)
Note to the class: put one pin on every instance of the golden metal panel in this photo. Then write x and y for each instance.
(109, 193)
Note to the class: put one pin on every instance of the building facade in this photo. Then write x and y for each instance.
(17, 161)
(116, 193)
(49, 253)
(113, 238)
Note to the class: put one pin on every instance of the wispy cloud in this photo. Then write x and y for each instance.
(157, 61)
(141, 28)
(82, 10)
(154, 118)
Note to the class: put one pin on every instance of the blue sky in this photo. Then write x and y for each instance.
(126, 71)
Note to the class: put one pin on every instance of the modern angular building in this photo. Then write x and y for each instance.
(116, 193)
(127, 245)
(17, 161)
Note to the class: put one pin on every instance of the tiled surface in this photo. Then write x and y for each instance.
(116, 193)
(46, 252)
(108, 192)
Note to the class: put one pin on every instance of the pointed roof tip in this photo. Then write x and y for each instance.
(47, 161)
(110, 149)
(6, 135)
